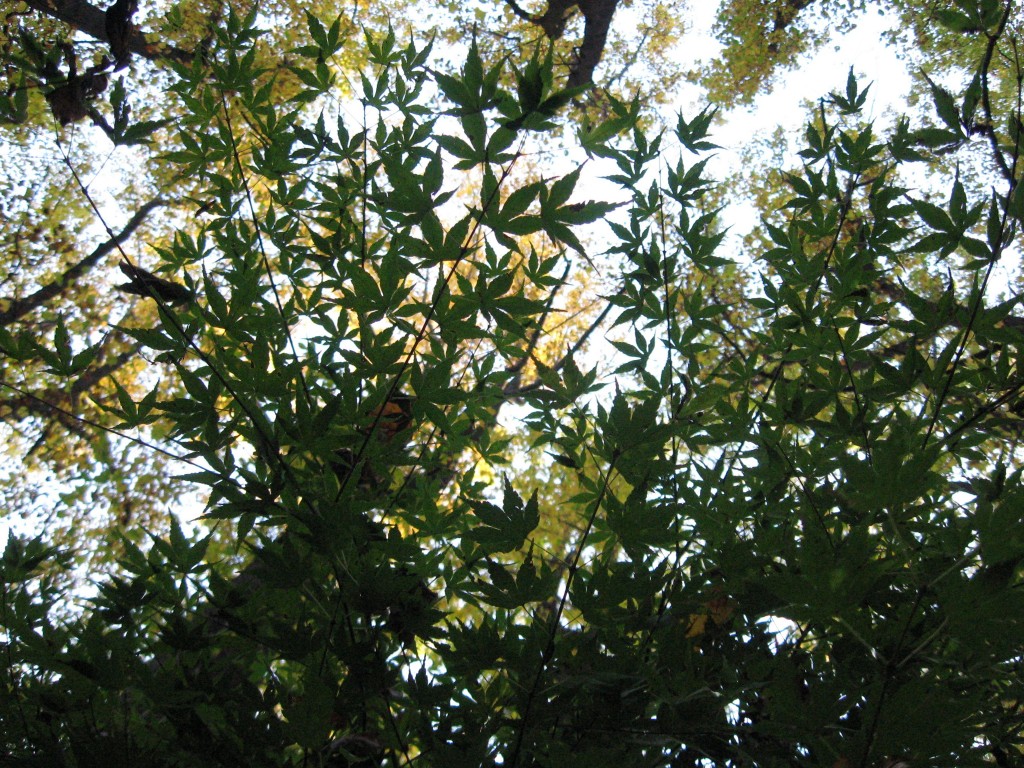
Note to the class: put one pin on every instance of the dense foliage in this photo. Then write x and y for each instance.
(782, 527)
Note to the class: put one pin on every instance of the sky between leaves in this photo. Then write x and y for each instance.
(777, 116)
(784, 106)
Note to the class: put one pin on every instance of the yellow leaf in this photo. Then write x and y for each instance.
(698, 621)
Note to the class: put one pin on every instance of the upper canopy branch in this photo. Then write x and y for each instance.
(20, 307)
(597, 15)
(92, 21)
(785, 14)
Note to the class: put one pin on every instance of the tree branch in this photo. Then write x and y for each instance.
(598, 15)
(986, 101)
(785, 14)
(92, 21)
(21, 307)
(518, 11)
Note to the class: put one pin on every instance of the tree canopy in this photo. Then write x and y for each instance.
(394, 398)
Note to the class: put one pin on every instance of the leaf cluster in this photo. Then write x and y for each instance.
(795, 542)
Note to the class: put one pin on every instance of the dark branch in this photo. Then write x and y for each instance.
(785, 15)
(146, 284)
(21, 307)
(518, 11)
(597, 15)
(93, 22)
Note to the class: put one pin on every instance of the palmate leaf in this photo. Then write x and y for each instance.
(505, 528)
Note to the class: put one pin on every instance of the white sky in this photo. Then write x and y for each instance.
(826, 71)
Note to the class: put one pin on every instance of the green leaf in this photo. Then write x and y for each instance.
(505, 528)
(308, 716)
